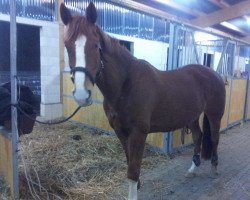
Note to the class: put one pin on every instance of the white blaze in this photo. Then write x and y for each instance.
(80, 94)
(80, 53)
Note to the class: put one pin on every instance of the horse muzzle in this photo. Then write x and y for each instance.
(83, 97)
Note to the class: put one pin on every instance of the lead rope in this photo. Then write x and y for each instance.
(47, 123)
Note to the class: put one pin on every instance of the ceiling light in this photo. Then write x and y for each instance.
(230, 26)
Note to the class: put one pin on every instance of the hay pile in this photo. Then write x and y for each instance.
(4, 190)
(69, 161)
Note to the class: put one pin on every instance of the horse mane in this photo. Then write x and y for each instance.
(112, 45)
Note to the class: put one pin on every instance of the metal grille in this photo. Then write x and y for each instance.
(36, 9)
(124, 21)
(187, 52)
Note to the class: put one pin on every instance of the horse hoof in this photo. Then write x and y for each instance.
(190, 175)
(214, 172)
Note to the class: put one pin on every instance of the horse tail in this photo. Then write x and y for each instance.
(206, 151)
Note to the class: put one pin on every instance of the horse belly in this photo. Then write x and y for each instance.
(174, 118)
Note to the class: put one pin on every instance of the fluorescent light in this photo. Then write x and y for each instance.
(162, 1)
(230, 26)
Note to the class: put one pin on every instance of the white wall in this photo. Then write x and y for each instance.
(51, 106)
(240, 63)
(152, 51)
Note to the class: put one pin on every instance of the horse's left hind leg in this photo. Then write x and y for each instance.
(214, 128)
(197, 136)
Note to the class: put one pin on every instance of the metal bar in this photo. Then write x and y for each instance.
(219, 67)
(165, 143)
(247, 99)
(170, 141)
(195, 48)
(229, 103)
(171, 47)
(13, 72)
(231, 69)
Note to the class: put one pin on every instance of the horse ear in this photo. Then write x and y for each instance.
(91, 13)
(65, 14)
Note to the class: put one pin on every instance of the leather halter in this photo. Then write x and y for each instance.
(85, 71)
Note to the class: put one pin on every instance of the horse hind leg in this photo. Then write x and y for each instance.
(197, 136)
(211, 140)
(215, 135)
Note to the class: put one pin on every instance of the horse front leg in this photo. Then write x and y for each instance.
(136, 144)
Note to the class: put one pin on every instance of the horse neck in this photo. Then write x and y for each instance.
(116, 70)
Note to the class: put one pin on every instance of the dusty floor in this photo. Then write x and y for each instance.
(161, 177)
(167, 181)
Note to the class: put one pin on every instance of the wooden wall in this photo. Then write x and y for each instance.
(92, 115)
(6, 168)
(237, 100)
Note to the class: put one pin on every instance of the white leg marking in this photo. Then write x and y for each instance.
(132, 195)
(192, 168)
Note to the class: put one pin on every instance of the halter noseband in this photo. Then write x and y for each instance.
(85, 71)
(81, 69)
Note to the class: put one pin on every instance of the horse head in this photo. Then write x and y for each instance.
(83, 45)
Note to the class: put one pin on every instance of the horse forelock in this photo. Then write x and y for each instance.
(77, 27)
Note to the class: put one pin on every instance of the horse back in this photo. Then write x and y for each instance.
(177, 98)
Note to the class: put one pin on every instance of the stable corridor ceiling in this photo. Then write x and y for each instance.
(228, 17)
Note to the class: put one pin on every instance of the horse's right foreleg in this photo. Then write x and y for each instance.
(136, 143)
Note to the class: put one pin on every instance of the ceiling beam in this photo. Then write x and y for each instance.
(246, 39)
(178, 6)
(222, 4)
(147, 9)
(225, 14)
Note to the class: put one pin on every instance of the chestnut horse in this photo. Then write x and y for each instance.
(138, 98)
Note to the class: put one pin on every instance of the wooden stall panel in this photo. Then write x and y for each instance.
(237, 101)
(248, 108)
(224, 120)
(93, 115)
(6, 169)
(156, 139)
(67, 84)
(68, 88)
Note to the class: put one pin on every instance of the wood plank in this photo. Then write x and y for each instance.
(237, 102)
(6, 168)
(156, 139)
(93, 115)
(237, 10)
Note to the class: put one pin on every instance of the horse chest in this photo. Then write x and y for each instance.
(119, 118)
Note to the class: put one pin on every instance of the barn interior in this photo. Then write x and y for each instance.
(167, 33)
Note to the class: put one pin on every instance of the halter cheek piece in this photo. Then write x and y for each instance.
(85, 71)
